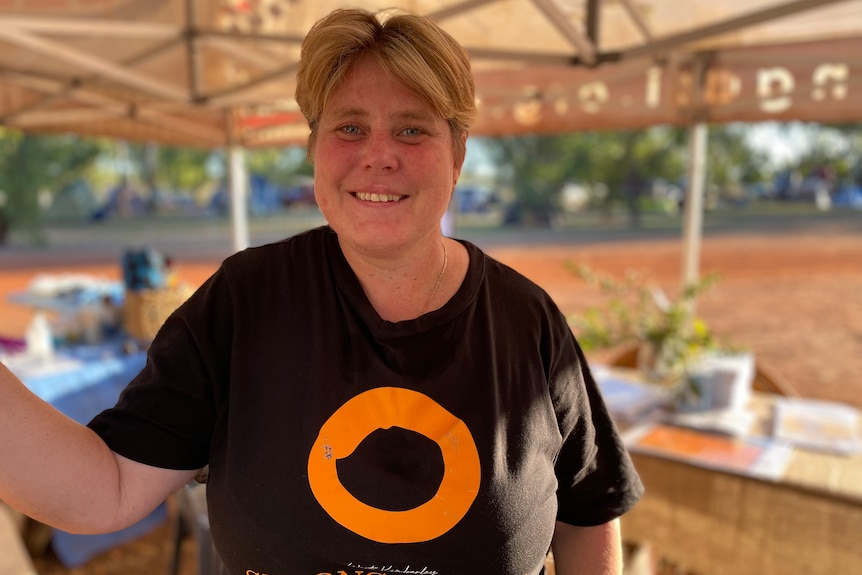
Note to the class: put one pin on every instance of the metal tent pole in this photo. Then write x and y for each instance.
(237, 186)
(692, 226)
(238, 179)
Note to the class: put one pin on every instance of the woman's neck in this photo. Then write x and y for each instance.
(405, 288)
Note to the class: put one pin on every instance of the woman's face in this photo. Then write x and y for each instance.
(384, 163)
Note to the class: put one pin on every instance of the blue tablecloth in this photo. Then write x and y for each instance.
(82, 381)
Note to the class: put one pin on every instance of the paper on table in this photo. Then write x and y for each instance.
(627, 400)
(735, 422)
(750, 456)
(820, 425)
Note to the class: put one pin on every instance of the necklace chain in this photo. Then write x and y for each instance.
(439, 278)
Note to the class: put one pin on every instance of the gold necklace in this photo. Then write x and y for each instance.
(439, 278)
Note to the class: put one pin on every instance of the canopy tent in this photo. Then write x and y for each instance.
(220, 73)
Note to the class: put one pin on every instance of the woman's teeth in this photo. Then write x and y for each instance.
(378, 197)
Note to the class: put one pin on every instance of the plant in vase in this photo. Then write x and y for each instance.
(669, 342)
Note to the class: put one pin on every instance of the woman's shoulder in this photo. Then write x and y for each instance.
(507, 288)
(501, 276)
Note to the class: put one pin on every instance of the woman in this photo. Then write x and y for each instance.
(370, 397)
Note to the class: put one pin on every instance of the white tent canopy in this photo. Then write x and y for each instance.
(220, 73)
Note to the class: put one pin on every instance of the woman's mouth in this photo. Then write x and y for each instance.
(378, 197)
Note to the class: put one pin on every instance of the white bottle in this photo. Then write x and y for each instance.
(40, 340)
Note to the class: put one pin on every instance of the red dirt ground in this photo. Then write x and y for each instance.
(794, 299)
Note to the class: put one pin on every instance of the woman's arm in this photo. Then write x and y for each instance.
(588, 550)
(61, 473)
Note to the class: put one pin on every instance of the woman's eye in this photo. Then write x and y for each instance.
(412, 131)
(350, 130)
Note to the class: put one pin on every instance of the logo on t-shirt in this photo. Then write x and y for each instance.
(408, 424)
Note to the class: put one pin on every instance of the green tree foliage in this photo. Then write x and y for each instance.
(837, 148)
(32, 166)
(532, 166)
(732, 162)
(853, 132)
(281, 166)
(170, 168)
(537, 167)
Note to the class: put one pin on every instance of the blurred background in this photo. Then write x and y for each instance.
(656, 143)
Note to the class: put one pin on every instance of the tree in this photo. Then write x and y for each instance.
(832, 147)
(169, 168)
(281, 166)
(538, 166)
(173, 169)
(32, 168)
(531, 166)
(853, 133)
(626, 162)
(732, 162)
(648, 155)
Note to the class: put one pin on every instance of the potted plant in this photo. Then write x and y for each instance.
(662, 338)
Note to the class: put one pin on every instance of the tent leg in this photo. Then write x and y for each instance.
(693, 216)
(238, 197)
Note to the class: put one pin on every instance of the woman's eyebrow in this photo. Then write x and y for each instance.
(414, 115)
(353, 113)
(342, 113)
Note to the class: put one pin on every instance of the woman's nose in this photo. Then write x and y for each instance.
(380, 152)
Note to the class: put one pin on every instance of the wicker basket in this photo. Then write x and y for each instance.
(144, 311)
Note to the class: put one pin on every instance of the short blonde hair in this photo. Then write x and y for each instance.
(412, 48)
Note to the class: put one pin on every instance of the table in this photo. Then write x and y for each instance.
(81, 381)
(700, 518)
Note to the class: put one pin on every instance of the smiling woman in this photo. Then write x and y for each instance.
(343, 382)
(385, 170)
(389, 125)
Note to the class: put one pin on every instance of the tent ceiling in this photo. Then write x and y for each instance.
(218, 72)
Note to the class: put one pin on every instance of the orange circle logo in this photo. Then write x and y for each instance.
(383, 408)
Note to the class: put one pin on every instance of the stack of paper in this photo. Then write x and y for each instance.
(629, 401)
(821, 425)
(735, 422)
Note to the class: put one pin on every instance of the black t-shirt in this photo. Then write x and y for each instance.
(340, 442)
